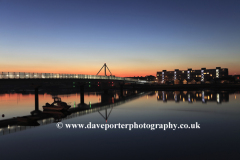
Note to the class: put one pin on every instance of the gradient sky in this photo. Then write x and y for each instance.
(134, 37)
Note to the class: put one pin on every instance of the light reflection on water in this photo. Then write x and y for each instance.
(218, 115)
(16, 104)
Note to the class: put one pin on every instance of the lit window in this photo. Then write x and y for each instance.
(182, 71)
(211, 75)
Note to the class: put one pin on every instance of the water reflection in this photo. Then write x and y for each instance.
(193, 96)
(106, 114)
(44, 117)
(102, 102)
(218, 137)
(57, 115)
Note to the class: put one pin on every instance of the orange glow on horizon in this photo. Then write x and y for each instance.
(120, 71)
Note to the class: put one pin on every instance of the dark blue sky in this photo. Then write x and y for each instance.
(133, 37)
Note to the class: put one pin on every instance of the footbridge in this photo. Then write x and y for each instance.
(43, 77)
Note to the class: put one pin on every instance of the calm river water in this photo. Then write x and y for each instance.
(216, 135)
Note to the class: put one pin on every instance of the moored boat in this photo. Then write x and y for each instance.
(57, 105)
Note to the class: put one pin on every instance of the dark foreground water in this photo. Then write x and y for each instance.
(218, 137)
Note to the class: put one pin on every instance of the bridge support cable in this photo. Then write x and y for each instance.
(108, 70)
(101, 69)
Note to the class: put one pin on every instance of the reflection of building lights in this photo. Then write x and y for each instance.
(147, 96)
(208, 97)
(235, 97)
(189, 98)
(196, 94)
(203, 97)
(218, 98)
(183, 99)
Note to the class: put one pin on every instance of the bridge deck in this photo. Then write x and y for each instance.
(29, 75)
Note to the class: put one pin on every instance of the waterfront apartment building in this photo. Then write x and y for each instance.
(191, 76)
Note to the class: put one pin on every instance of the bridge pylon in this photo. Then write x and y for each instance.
(105, 69)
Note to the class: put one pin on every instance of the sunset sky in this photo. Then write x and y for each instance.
(134, 37)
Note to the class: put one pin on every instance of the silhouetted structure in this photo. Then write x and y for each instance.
(105, 70)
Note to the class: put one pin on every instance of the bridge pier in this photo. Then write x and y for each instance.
(36, 111)
(82, 94)
(36, 100)
(106, 98)
(105, 91)
(133, 88)
(121, 90)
